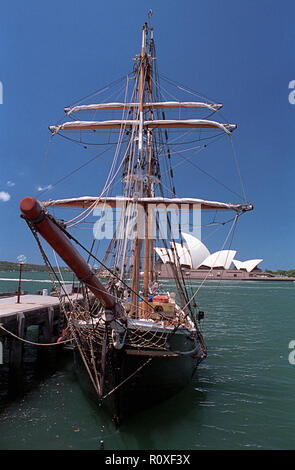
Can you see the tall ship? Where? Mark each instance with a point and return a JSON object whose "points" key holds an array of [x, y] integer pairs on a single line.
{"points": [[135, 341]]}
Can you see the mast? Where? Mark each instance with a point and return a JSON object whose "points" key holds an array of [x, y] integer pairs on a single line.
{"points": [[148, 247], [151, 154], [146, 270], [141, 90], [138, 183]]}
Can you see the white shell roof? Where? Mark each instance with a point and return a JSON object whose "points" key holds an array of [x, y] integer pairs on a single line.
{"points": [[249, 265], [220, 259], [183, 254], [198, 251], [196, 254], [166, 255]]}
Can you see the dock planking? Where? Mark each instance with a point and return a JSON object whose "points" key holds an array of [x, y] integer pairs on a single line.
{"points": [[31, 304], [34, 310]]}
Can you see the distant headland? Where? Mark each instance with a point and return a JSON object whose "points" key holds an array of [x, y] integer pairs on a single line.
{"points": [[11, 267], [282, 272]]}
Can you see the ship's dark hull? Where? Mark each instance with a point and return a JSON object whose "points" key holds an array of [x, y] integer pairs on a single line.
{"points": [[136, 379]]}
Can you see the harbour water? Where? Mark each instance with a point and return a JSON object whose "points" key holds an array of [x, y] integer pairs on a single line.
{"points": [[242, 396]]}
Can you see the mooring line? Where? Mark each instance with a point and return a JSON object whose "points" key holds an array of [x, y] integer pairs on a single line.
{"points": [[31, 342]]}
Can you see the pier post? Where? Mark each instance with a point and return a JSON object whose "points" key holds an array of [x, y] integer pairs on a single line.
{"points": [[16, 372], [46, 327], [19, 283], [1, 351], [47, 355]]}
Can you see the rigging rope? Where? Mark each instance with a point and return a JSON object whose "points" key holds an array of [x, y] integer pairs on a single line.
{"points": [[206, 277], [31, 342], [238, 168]]}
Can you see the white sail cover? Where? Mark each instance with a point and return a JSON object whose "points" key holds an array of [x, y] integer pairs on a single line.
{"points": [[248, 265], [122, 201], [220, 259], [189, 123], [160, 124], [198, 251], [154, 105], [113, 124]]}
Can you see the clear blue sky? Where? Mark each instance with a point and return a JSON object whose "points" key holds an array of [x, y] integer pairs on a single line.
{"points": [[240, 53]]}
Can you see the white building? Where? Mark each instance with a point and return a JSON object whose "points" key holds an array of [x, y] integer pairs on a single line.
{"points": [[247, 265], [220, 259], [197, 256]]}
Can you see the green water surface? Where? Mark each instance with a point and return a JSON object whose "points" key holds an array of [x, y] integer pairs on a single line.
{"points": [[242, 396]]}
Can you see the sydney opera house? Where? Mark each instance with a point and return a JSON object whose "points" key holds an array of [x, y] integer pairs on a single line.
{"points": [[198, 263]]}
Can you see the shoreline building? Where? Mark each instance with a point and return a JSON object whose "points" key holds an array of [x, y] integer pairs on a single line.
{"points": [[197, 262]]}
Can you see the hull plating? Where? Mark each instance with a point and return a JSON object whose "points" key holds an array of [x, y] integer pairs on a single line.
{"points": [[136, 379]]}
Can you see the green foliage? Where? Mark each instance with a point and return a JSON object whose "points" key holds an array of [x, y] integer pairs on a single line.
{"points": [[282, 272], [9, 266]]}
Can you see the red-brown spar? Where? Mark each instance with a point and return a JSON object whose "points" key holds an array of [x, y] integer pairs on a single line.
{"points": [[55, 237]]}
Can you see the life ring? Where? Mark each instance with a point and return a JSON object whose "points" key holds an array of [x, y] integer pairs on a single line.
{"points": [[118, 335]]}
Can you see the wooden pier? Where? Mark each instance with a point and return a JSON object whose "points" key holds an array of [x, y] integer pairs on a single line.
{"points": [[42, 311]]}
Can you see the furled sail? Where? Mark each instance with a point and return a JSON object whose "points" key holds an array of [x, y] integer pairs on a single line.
{"points": [[153, 105], [189, 123], [122, 201], [160, 124], [113, 124]]}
